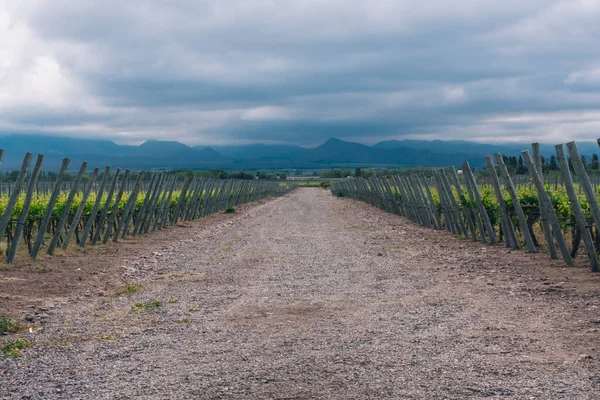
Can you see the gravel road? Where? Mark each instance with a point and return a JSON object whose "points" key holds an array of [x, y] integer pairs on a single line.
{"points": [[309, 296]]}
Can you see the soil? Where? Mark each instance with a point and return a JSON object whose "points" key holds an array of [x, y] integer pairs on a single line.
{"points": [[304, 296]]}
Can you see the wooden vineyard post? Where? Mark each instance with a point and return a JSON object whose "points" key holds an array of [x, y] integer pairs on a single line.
{"points": [[543, 210], [49, 209], [474, 206], [104, 213], [549, 211], [468, 213], [153, 204], [67, 210], [142, 212], [12, 251], [486, 219], [14, 196], [579, 217], [462, 230], [516, 203], [508, 228], [402, 198], [429, 206], [175, 216], [448, 217], [188, 215], [434, 211], [161, 205], [94, 213], [584, 182], [147, 216], [419, 217], [129, 209], [167, 207], [80, 209], [115, 209]]}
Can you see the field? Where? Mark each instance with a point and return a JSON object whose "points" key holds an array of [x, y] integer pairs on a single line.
{"points": [[312, 293]]}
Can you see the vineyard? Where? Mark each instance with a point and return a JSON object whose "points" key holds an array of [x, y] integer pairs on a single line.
{"points": [[110, 205], [536, 215]]}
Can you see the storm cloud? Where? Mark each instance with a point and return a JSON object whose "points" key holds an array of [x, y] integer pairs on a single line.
{"points": [[301, 71]]}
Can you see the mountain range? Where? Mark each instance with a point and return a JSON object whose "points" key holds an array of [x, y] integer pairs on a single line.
{"points": [[154, 154]]}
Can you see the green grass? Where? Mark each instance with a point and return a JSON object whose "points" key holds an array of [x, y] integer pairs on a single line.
{"points": [[129, 289], [309, 184], [13, 348], [146, 306], [8, 325]]}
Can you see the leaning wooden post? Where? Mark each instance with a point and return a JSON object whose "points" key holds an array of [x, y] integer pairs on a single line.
{"points": [[165, 217], [115, 209], [153, 204], [149, 211], [434, 210], [463, 201], [175, 216], [127, 216], [579, 217], [448, 216], [516, 203], [474, 206], [142, 212], [462, 230], [94, 212], [543, 210], [67, 210], [16, 193], [509, 230], [547, 205], [49, 209], [14, 245], [80, 209], [111, 191], [584, 181], [486, 218]]}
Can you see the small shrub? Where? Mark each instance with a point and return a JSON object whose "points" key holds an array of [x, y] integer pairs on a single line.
{"points": [[229, 210], [194, 309], [129, 289], [12, 348], [8, 325], [325, 185], [146, 306], [173, 300], [185, 320], [340, 194]]}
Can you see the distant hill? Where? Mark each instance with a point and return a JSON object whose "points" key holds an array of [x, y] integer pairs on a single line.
{"points": [[479, 149], [150, 154], [333, 153]]}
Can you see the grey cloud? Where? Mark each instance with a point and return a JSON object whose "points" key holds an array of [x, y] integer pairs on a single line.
{"points": [[309, 70]]}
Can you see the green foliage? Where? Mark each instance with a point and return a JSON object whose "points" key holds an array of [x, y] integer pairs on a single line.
{"points": [[309, 184], [129, 289], [8, 325], [13, 348], [146, 306], [229, 210]]}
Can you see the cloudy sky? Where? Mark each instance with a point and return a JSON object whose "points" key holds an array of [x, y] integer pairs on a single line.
{"points": [[301, 71]]}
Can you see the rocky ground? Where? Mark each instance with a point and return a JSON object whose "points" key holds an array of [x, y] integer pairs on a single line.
{"points": [[305, 296]]}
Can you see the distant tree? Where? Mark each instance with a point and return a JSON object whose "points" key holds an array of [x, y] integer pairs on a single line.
{"points": [[521, 169], [553, 164], [595, 163], [358, 172]]}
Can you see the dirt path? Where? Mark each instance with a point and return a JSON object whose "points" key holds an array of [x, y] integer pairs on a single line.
{"points": [[308, 296]]}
